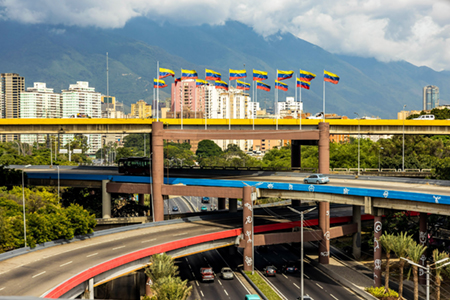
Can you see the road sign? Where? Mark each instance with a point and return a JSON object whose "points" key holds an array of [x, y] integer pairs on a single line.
{"points": [[78, 151], [63, 151]]}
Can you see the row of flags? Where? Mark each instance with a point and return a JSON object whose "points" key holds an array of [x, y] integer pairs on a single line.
{"points": [[304, 81]]}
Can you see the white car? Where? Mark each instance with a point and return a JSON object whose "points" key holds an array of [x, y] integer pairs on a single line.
{"points": [[316, 116], [425, 117]]}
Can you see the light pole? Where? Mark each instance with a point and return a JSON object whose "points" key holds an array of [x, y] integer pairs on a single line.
{"points": [[403, 148], [427, 270], [302, 290], [23, 199], [58, 183], [381, 148], [359, 136]]}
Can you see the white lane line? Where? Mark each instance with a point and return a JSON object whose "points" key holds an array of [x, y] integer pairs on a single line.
{"points": [[2, 288], [275, 252], [184, 233], [193, 275], [284, 276], [67, 263], [219, 282], [305, 275], [92, 254], [296, 286], [38, 274], [319, 286], [202, 293], [119, 247], [334, 296], [285, 260], [197, 283], [225, 292], [148, 241]]}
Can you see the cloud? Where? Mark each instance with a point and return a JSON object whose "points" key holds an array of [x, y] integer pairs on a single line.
{"points": [[417, 31]]}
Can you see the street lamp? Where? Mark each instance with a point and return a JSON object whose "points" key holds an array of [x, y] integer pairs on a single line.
{"points": [[302, 290], [381, 148], [58, 182], [359, 136], [23, 201], [403, 148], [427, 270]]}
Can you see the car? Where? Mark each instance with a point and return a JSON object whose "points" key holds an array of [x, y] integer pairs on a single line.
{"points": [[226, 273], [270, 271], [207, 274], [252, 297], [305, 297], [290, 268], [175, 208], [205, 200], [204, 208], [425, 117], [316, 178], [316, 116]]}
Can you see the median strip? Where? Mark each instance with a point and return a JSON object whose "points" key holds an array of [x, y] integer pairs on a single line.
{"points": [[262, 286]]}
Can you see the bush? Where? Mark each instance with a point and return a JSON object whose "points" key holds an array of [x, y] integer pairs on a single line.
{"points": [[381, 293]]}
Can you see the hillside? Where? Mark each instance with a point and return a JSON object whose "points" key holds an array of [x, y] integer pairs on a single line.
{"points": [[63, 55]]}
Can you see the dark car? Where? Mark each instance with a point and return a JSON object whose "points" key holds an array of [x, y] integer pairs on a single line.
{"points": [[207, 274], [205, 200], [270, 271], [290, 268], [305, 297], [174, 208]]}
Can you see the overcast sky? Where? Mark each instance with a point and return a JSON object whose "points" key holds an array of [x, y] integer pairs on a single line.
{"points": [[417, 31]]}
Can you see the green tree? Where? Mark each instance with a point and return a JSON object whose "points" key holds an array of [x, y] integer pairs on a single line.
{"points": [[437, 256], [208, 148], [400, 245], [161, 265], [387, 242], [171, 288], [415, 252]]}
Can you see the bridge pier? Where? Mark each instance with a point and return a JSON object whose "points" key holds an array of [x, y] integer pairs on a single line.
{"points": [[221, 203], [357, 235], [296, 154], [247, 230], [232, 205], [157, 170], [423, 239], [377, 250], [324, 207], [106, 201]]}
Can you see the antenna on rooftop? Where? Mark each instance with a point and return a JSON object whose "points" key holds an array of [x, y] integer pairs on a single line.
{"points": [[107, 75]]}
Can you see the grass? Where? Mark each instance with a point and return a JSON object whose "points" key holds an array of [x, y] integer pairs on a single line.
{"points": [[263, 286]]}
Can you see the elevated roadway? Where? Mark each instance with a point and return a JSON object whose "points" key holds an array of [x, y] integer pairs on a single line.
{"points": [[127, 126]]}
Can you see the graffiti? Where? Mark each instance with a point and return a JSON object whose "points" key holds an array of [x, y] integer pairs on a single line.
{"points": [[270, 186], [377, 264], [375, 276], [385, 194], [436, 199], [311, 188], [376, 245], [249, 206], [248, 261], [325, 254], [327, 213], [249, 220], [248, 233], [423, 258], [421, 272], [291, 187], [378, 226], [422, 237], [346, 190], [327, 235]]}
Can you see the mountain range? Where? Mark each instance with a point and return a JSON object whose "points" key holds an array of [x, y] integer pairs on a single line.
{"points": [[60, 55]]}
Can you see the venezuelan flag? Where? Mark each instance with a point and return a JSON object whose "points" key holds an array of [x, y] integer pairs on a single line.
{"points": [[259, 75], [237, 74], [242, 85], [262, 86], [306, 76], [282, 75], [200, 82], [211, 75], [188, 74], [330, 77], [159, 84], [163, 73], [281, 86], [177, 79], [221, 85], [303, 83]]}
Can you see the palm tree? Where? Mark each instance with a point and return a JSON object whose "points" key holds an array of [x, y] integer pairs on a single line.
{"points": [[172, 288], [400, 244], [437, 256], [387, 242], [415, 252], [161, 266]]}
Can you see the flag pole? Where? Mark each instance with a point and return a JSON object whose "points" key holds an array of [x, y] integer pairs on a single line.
{"points": [[301, 106], [181, 99], [204, 104], [324, 101], [157, 91]]}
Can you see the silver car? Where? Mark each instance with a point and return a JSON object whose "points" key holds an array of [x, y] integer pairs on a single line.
{"points": [[316, 178], [226, 273]]}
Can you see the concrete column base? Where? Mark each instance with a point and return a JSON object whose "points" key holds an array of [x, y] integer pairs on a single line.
{"points": [[222, 203], [106, 201]]}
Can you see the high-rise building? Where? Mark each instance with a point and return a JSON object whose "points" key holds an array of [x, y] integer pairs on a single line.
{"points": [[295, 108], [81, 101], [11, 86], [141, 109], [111, 109], [36, 103], [430, 97]]}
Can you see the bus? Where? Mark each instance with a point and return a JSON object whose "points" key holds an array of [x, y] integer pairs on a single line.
{"points": [[134, 165]]}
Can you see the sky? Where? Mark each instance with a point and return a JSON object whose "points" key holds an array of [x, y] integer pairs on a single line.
{"points": [[417, 31]]}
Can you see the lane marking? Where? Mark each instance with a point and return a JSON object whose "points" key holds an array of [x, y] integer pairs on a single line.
{"points": [[148, 241], [119, 247], [305, 275], [92, 254], [285, 276], [285, 260], [296, 286], [67, 263], [184, 233], [2, 288], [225, 292], [319, 286], [219, 282], [38, 274], [202, 293], [197, 283], [334, 296]]}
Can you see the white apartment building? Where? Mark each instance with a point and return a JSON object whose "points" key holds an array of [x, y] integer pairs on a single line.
{"points": [[290, 105], [253, 107], [81, 100], [39, 102]]}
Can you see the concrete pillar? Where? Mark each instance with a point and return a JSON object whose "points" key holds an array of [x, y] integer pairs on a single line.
{"points": [[232, 205], [222, 203], [91, 288], [423, 239], [106, 201], [141, 199], [357, 235], [148, 286], [248, 228], [296, 202], [158, 170], [324, 207], [296, 155], [377, 250]]}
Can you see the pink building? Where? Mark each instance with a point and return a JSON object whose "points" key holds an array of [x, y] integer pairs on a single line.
{"points": [[187, 95]]}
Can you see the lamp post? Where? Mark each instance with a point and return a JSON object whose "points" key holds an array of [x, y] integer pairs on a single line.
{"points": [[302, 290], [23, 199], [58, 183], [359, 136], [403, 148], [381, 148], [427, 270]]}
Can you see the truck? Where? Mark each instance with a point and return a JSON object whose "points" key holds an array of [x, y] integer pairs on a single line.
{"points": [[207, 274]]}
